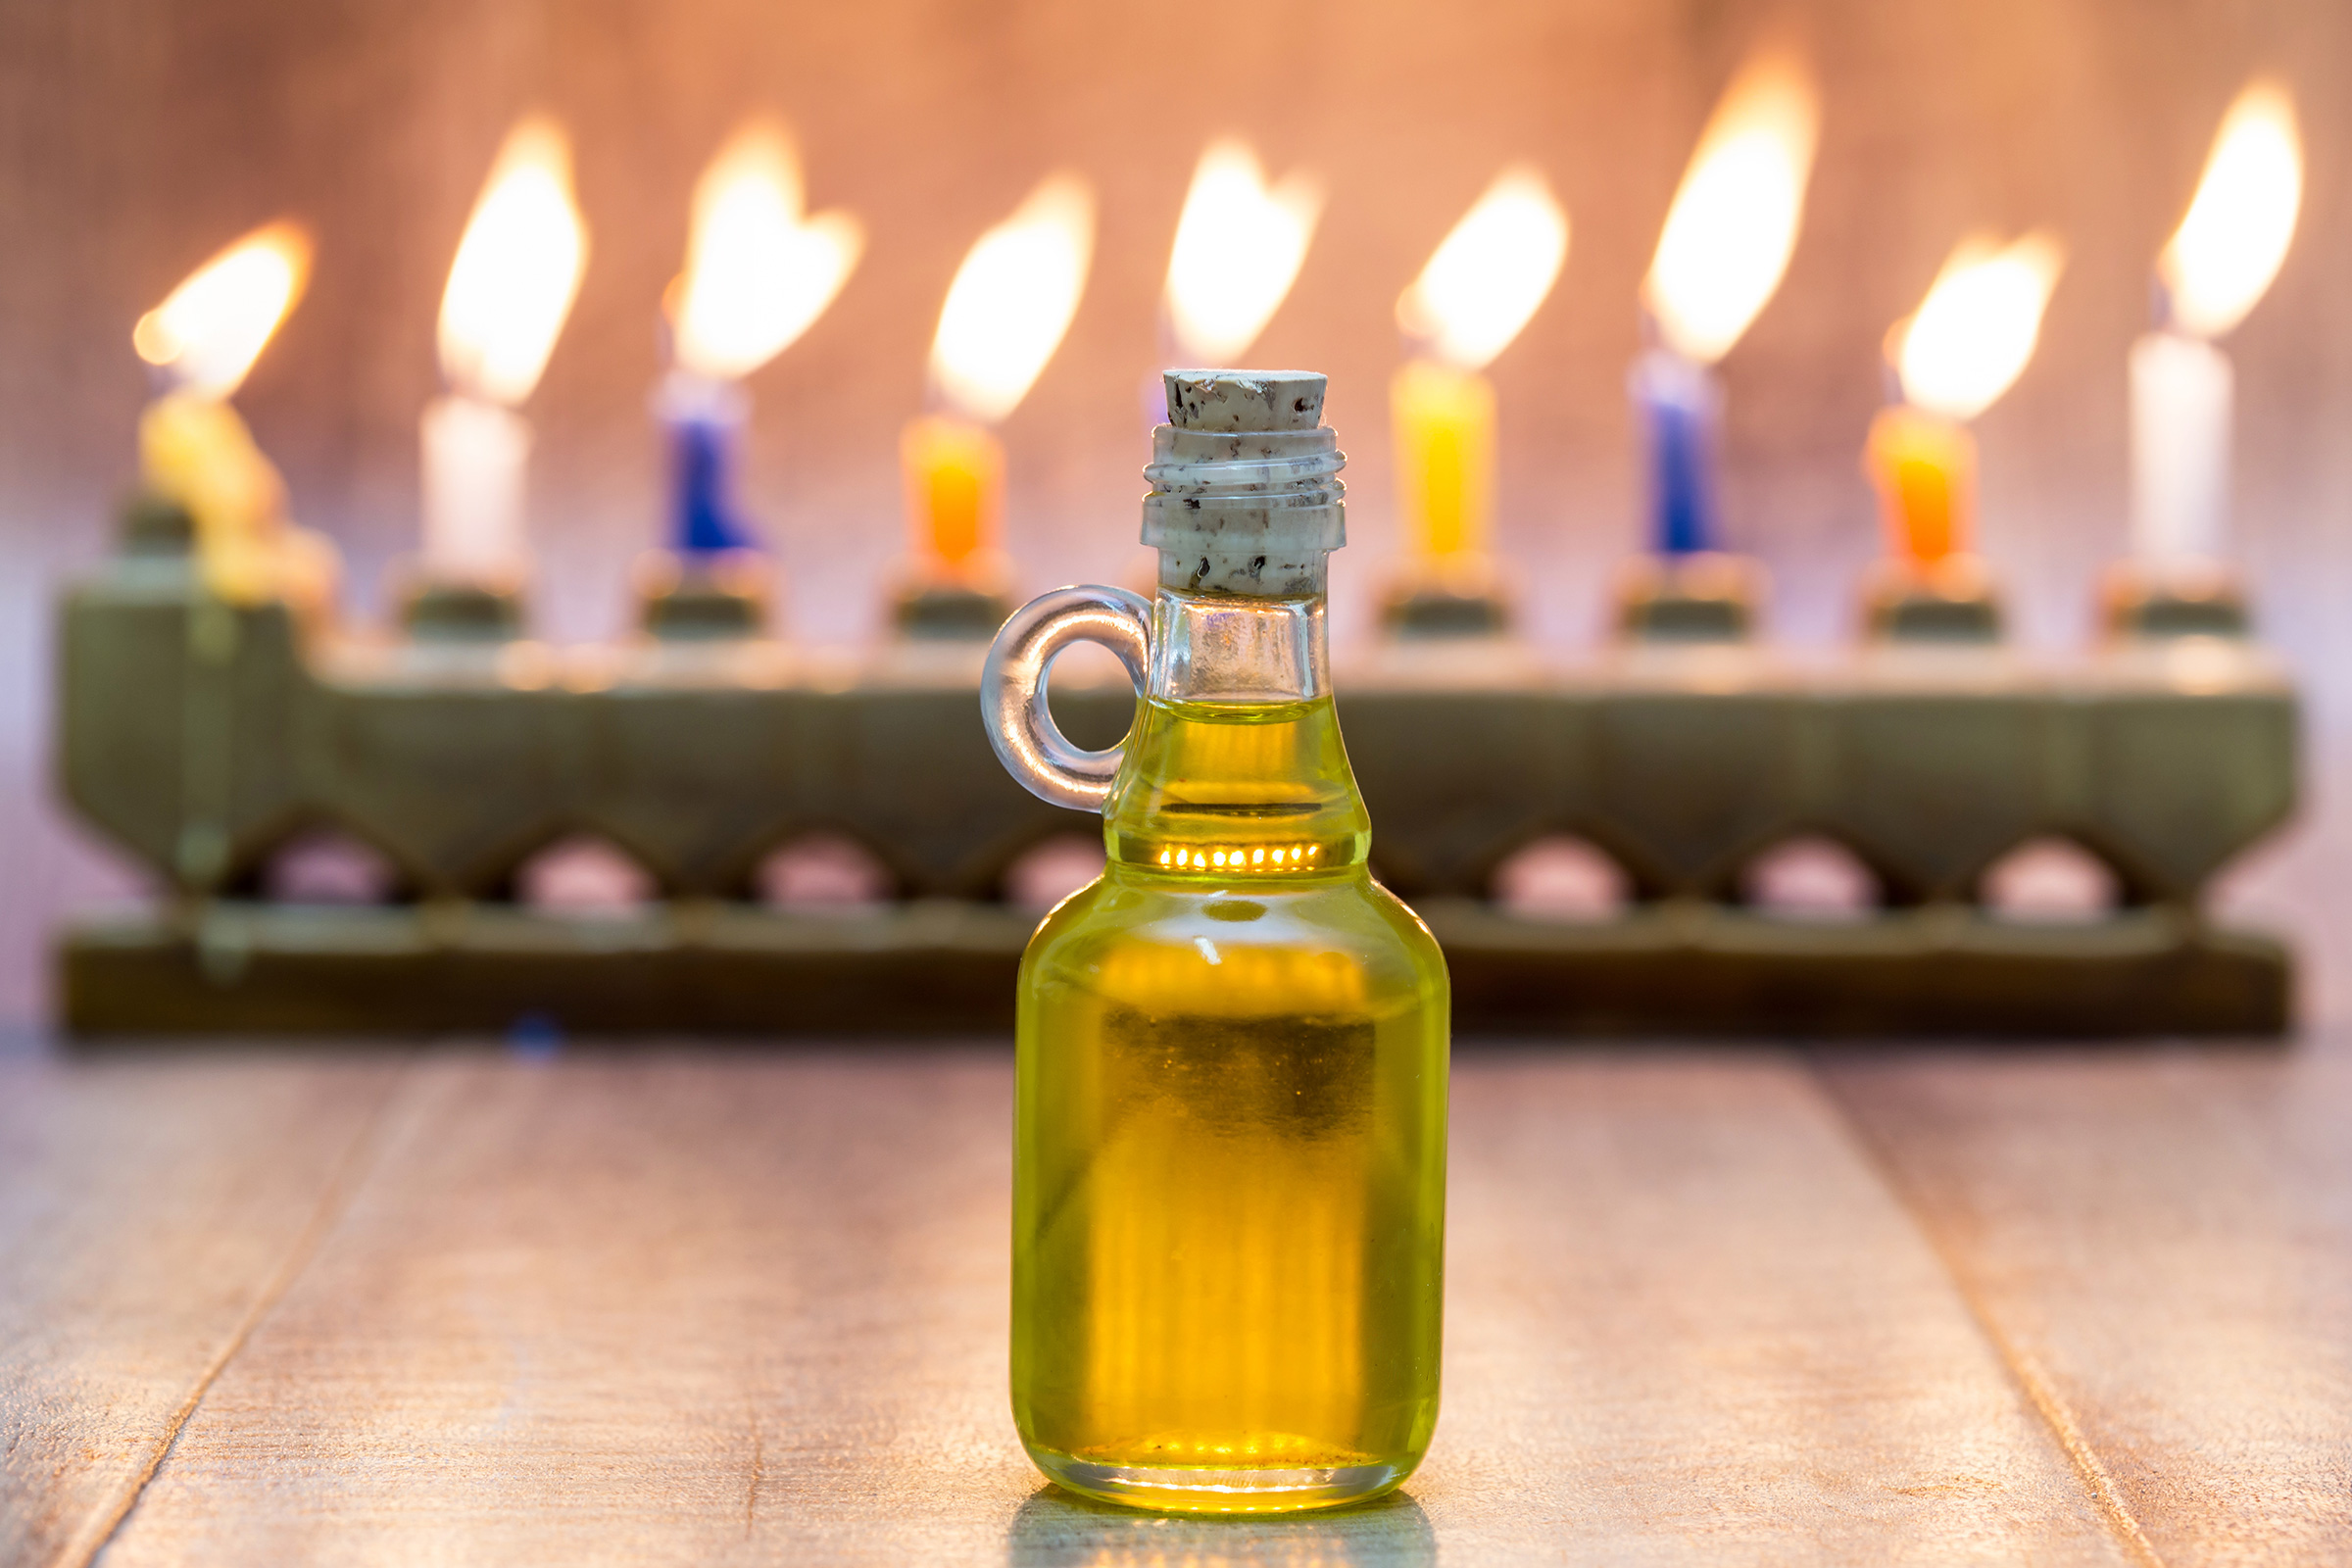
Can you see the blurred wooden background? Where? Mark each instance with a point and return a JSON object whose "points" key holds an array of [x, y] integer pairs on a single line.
{"points": [[138, 136]]}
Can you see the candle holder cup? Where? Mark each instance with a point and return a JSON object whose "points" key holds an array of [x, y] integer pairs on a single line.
{"points": [[964, 602], [460, 613], [704, 594], [1446, 597], [156, 529], [1702, 597], [1951, 600], [2150, 600]]}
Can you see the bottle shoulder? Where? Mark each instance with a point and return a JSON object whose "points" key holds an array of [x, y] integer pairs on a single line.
{"points": [[1216, 933], [1406, 922]]}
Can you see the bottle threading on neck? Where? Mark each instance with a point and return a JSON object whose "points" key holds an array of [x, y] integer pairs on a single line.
{"points": [[1235, 771]]}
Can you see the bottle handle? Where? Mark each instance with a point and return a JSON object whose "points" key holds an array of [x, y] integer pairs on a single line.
{"points": [[1013, 688]]}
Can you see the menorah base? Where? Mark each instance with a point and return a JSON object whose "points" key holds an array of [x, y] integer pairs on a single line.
{"points": [[1952, 600], [1450, 597], [948, 966], [1702, 598], [461, 612], [2194, 598], [946, 613], [711, 597]]}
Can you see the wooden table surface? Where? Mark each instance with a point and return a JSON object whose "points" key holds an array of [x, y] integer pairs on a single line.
{"points": [[1709, 1306]]}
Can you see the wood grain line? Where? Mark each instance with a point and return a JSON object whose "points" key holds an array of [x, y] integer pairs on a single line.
{"points": [[2022, 1363], [342, 1184], [750, 1491]]}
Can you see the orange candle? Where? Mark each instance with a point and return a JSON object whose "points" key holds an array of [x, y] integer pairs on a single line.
{"points": [[1006, 310], [1445, 429], [955, 472], [1966, 345], [1925, 468]]}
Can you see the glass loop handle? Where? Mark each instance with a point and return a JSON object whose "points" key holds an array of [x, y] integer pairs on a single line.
{"points": [[1013, 688]]}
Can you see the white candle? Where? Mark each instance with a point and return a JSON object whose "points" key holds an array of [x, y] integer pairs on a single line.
{"points": [[476, 455], [2180, 416], [517, 272], [2218, 264]]}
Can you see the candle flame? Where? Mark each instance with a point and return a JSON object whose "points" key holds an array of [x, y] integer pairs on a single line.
{"points": [[757, 272], [1977, 329], [518, 269], [1013, 300], [1488, 276], [1733, 226], [212, 329], [1239, 246], [2229, 246]]}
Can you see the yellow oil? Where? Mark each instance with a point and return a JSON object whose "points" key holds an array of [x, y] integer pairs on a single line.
{"points": [[1229, 1190]]}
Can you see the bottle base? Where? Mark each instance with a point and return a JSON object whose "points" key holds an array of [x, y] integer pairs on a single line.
{"points": [[1190, 1489]]}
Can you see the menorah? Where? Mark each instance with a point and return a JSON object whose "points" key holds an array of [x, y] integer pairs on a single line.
{"points": [[201, 737]]}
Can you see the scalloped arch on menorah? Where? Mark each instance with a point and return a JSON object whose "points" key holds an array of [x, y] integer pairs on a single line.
{"points": [[819, 868], [583, 872], [1555, 876], [1810, 874], [1051, 869], [321, 860], [2054, 877]]}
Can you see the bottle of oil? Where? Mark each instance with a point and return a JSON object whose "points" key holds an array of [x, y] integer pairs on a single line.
{"points": [[1230, 1159]]}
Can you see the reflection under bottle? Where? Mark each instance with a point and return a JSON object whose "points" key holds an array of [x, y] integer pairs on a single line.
{"points": [[1058, 1529]]}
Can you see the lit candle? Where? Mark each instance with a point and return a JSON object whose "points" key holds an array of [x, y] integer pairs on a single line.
{"points": [[1681, 405], [511, 288], [954, 490], [758, 274], [1005, 313], [1967, 344], [195, 450], [1481, 286], [1239, 245], [1720, 258], [2217, 265]]}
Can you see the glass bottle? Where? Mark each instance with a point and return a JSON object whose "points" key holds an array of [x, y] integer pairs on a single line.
{"points": [[1229, 1135]]}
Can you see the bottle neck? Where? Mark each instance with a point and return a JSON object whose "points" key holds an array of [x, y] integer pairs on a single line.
{"points": [[1222, 647], [1235, 776]]}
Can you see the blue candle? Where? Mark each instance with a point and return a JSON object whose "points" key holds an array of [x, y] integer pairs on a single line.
{"points": [[1679, 408], [705, 419]]}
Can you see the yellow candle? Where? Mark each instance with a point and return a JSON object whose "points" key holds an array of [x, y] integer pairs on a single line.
{"points": [[1925, 468], [196, 451], [1444, 432], [955, 474]]}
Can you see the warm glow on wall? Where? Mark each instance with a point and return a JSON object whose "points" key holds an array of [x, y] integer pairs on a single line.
{"points": [[1489, 275], [518, 269], [1977, 329], [2229, 246], [757, 272], [212, 329], [1013, 300], [1238, 250], [1733, 223]]}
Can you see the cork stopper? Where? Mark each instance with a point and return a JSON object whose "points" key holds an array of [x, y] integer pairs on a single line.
{"points": [[1246, 496], [1244, 400]]}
